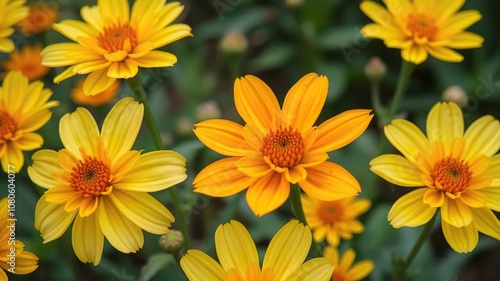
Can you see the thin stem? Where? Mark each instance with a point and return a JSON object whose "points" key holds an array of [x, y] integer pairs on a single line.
{"points": [[299, 213], [400, 268], [140, 95], [406, 70], [377, 106]]}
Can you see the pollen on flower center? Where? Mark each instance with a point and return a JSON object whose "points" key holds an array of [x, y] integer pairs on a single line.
{"points": [[118, 37], [7, 126], [420, 25], [284, 147], [328, 212], [90, 177], [451, 175]]}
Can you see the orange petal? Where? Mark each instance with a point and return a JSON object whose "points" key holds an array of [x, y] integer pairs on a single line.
{"points": [[223, 136], [253, 166], [268, 193]]}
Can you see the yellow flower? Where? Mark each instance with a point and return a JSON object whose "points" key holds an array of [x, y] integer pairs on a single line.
{"points": [[344, 269], [28, 61], [277, 146], [98, 182], [456, 172], [24, 108], [113, 42], [104, 97], [40, 18], [422, 27], [24, 262], [12, 12], [239, 260], [334, 220]]}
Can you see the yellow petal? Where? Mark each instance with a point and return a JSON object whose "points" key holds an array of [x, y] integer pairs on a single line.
{"points": [[376, 12], [59, 194], [90, 66], [121, 232], [224, 137], [54, 55], [97, 82], [29, 141], [434, 197], [15, 90], [486, 222], [473, 199], [482, 137], [26, 262], [253, 166], [458, 22], [169, 34], [465, 40], [143, 210], [447, 8], [155, 59], [51, 219], [445, 122], [144, 15], [329, 181], [445, 54], [416, 54], [456, 213], [78, 130], [397, 170], [44, 165], [295, 174], [461, 240], [341, 129], [123, 164], [222, 178], [287, 250], [123, 69], [121, 127], [92, 16], [74, 29], [407, 138], [410, 210], [198, 266], [116, 11], [268, 193], [360, 270], [87, 239], [319, 269], [235, 247], [13, 157], [304, 101], [256, 103]]}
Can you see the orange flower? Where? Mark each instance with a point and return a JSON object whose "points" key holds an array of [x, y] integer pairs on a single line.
{"points": [[278, 146], [28, 61], [104, 97], [41, 17]]}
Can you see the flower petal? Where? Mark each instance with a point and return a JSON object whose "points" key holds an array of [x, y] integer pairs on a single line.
{"points": [[13, 157], [268, 193], [51, 219], [465, 40], [97, 82], [434, 197], [26, 262], [156, 59], [445, 122], [320, 269], [87, 239], [486, 222], [253, 166], [44, 165], [482, 137], [455, 213], [461, 240], [79, 130], [198, 266], [445, 54], [407, 138], [397, 170], [360, 270], [116, 11], [473, 199], [235, 247], [224, 137], [376, 12], [410, 210]]}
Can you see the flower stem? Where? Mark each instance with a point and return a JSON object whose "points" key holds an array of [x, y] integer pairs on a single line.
{"points": [[140, 95], [406, 70], [299, 213], [400, 266]]}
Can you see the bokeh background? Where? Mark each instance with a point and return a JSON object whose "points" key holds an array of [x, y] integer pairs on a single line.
{"points": [[278, 41]]}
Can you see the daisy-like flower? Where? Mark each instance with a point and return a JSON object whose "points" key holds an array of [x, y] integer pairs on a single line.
{"points": [[334, 220], [277, 146], [40, 18], [344, 268], [24, 108], [13, 257], [12, 12], [105, 97], [113, 42], [101, 186], [452, 170], [29, 61], [421, 27], [239, 260]]}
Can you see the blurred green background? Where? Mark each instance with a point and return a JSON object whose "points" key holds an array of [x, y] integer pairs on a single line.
{"points": [[280, 42]]}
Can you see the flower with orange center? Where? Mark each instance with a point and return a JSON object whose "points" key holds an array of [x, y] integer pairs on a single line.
{"points": [[12, 12], [455, 171], [334, 220], [24, 108], [100, 184], [40, 18], [28, 61], [239, 260], [104, 97], [422, 27], [113, 42], [277, 146], [344, 268]]}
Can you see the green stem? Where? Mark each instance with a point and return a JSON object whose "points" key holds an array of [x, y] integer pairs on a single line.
{"points": [[406, 70], [299, 213], [140, 95], [400, 268], [377, 106]]}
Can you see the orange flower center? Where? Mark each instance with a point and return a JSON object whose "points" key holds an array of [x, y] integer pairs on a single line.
{"points": [[117, 38], [329, 212], [284, 147], [420, 25], [90, 177], [7, 126], [451, 175]]}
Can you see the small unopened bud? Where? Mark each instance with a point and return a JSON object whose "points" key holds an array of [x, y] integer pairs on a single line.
{"points": [[456, 94], [375, 69], [233, 42], [185, 125], [172, 241], [208, 110], [294, 3]]}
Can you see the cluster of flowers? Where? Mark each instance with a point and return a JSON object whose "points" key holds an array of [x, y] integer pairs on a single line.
{"points": [[98, 184]]}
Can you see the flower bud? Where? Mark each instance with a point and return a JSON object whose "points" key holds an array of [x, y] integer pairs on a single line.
{"points": [[294, 3], [172, 241], [456, 94], [208, 110], [375, 69], [233, 42]]}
